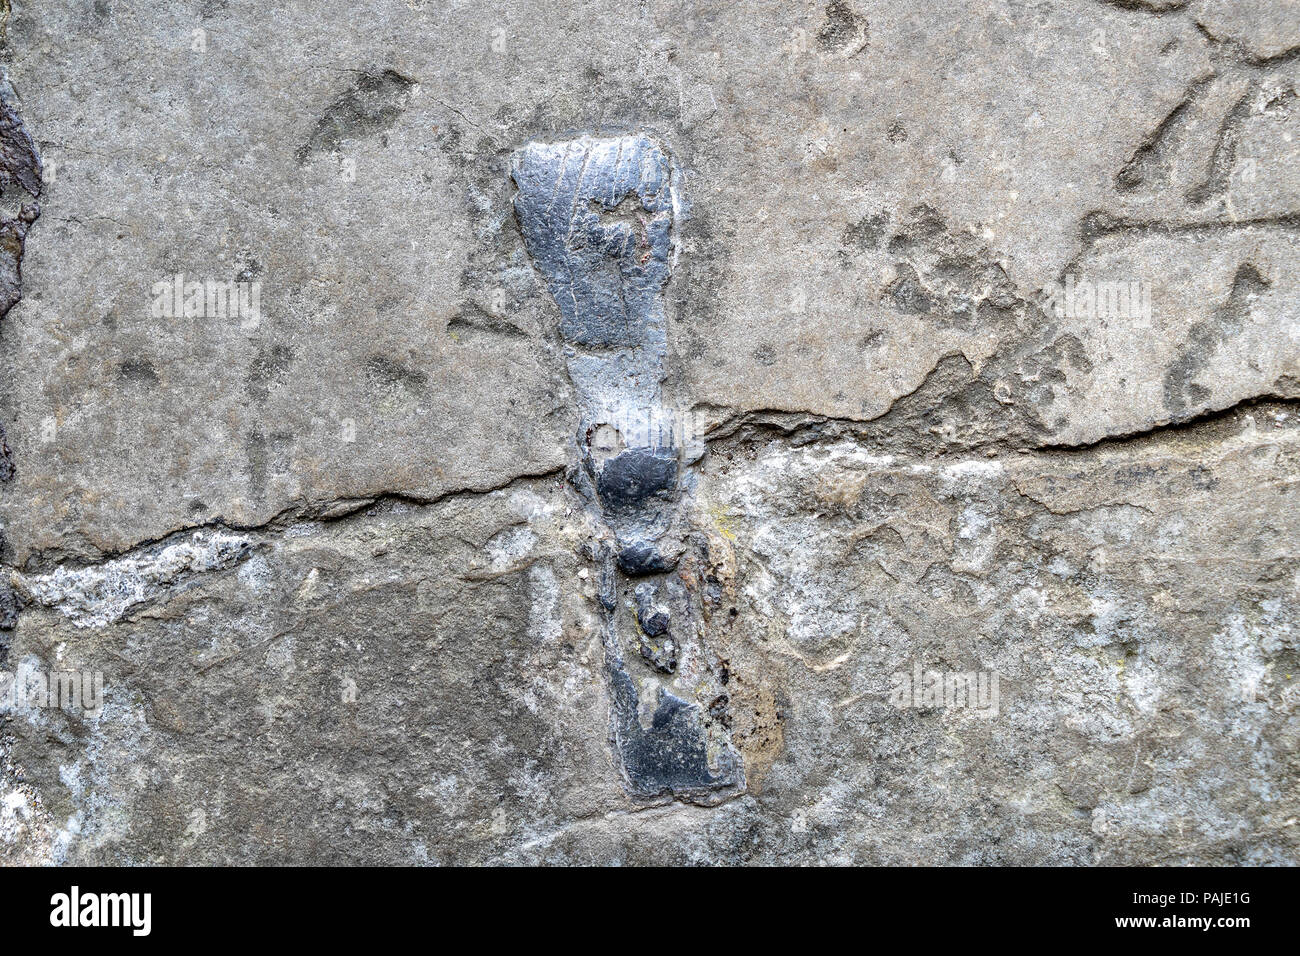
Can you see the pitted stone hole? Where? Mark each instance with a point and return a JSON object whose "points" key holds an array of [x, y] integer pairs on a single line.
{"points": [[629, 220], [630, 210], [604, 441]]}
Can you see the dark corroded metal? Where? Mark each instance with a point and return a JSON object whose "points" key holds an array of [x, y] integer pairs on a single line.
{"points": [[598, 219]]}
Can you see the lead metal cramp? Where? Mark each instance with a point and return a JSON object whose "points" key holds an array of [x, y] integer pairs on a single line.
{"points": [[598, 218]]}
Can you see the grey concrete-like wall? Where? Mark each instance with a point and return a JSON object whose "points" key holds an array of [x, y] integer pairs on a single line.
{"points": [[721, 431]]}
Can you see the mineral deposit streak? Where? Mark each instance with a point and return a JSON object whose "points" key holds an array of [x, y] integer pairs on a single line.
{"points": [[598, 219]]}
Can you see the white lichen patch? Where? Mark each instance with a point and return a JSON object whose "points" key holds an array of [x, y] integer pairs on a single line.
{"points": [[510, 546], [27, 832], [101, 594], [545, 623]]}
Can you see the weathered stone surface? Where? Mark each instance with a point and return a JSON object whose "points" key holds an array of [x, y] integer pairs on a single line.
{"points": [[602, 419], [1267, 31]]}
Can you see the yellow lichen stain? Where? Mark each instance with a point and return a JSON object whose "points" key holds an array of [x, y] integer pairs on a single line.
{"points": [[722, 521]]}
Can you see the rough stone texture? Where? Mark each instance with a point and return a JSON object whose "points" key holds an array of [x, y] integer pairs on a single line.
{"points": [[376, 574]]}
